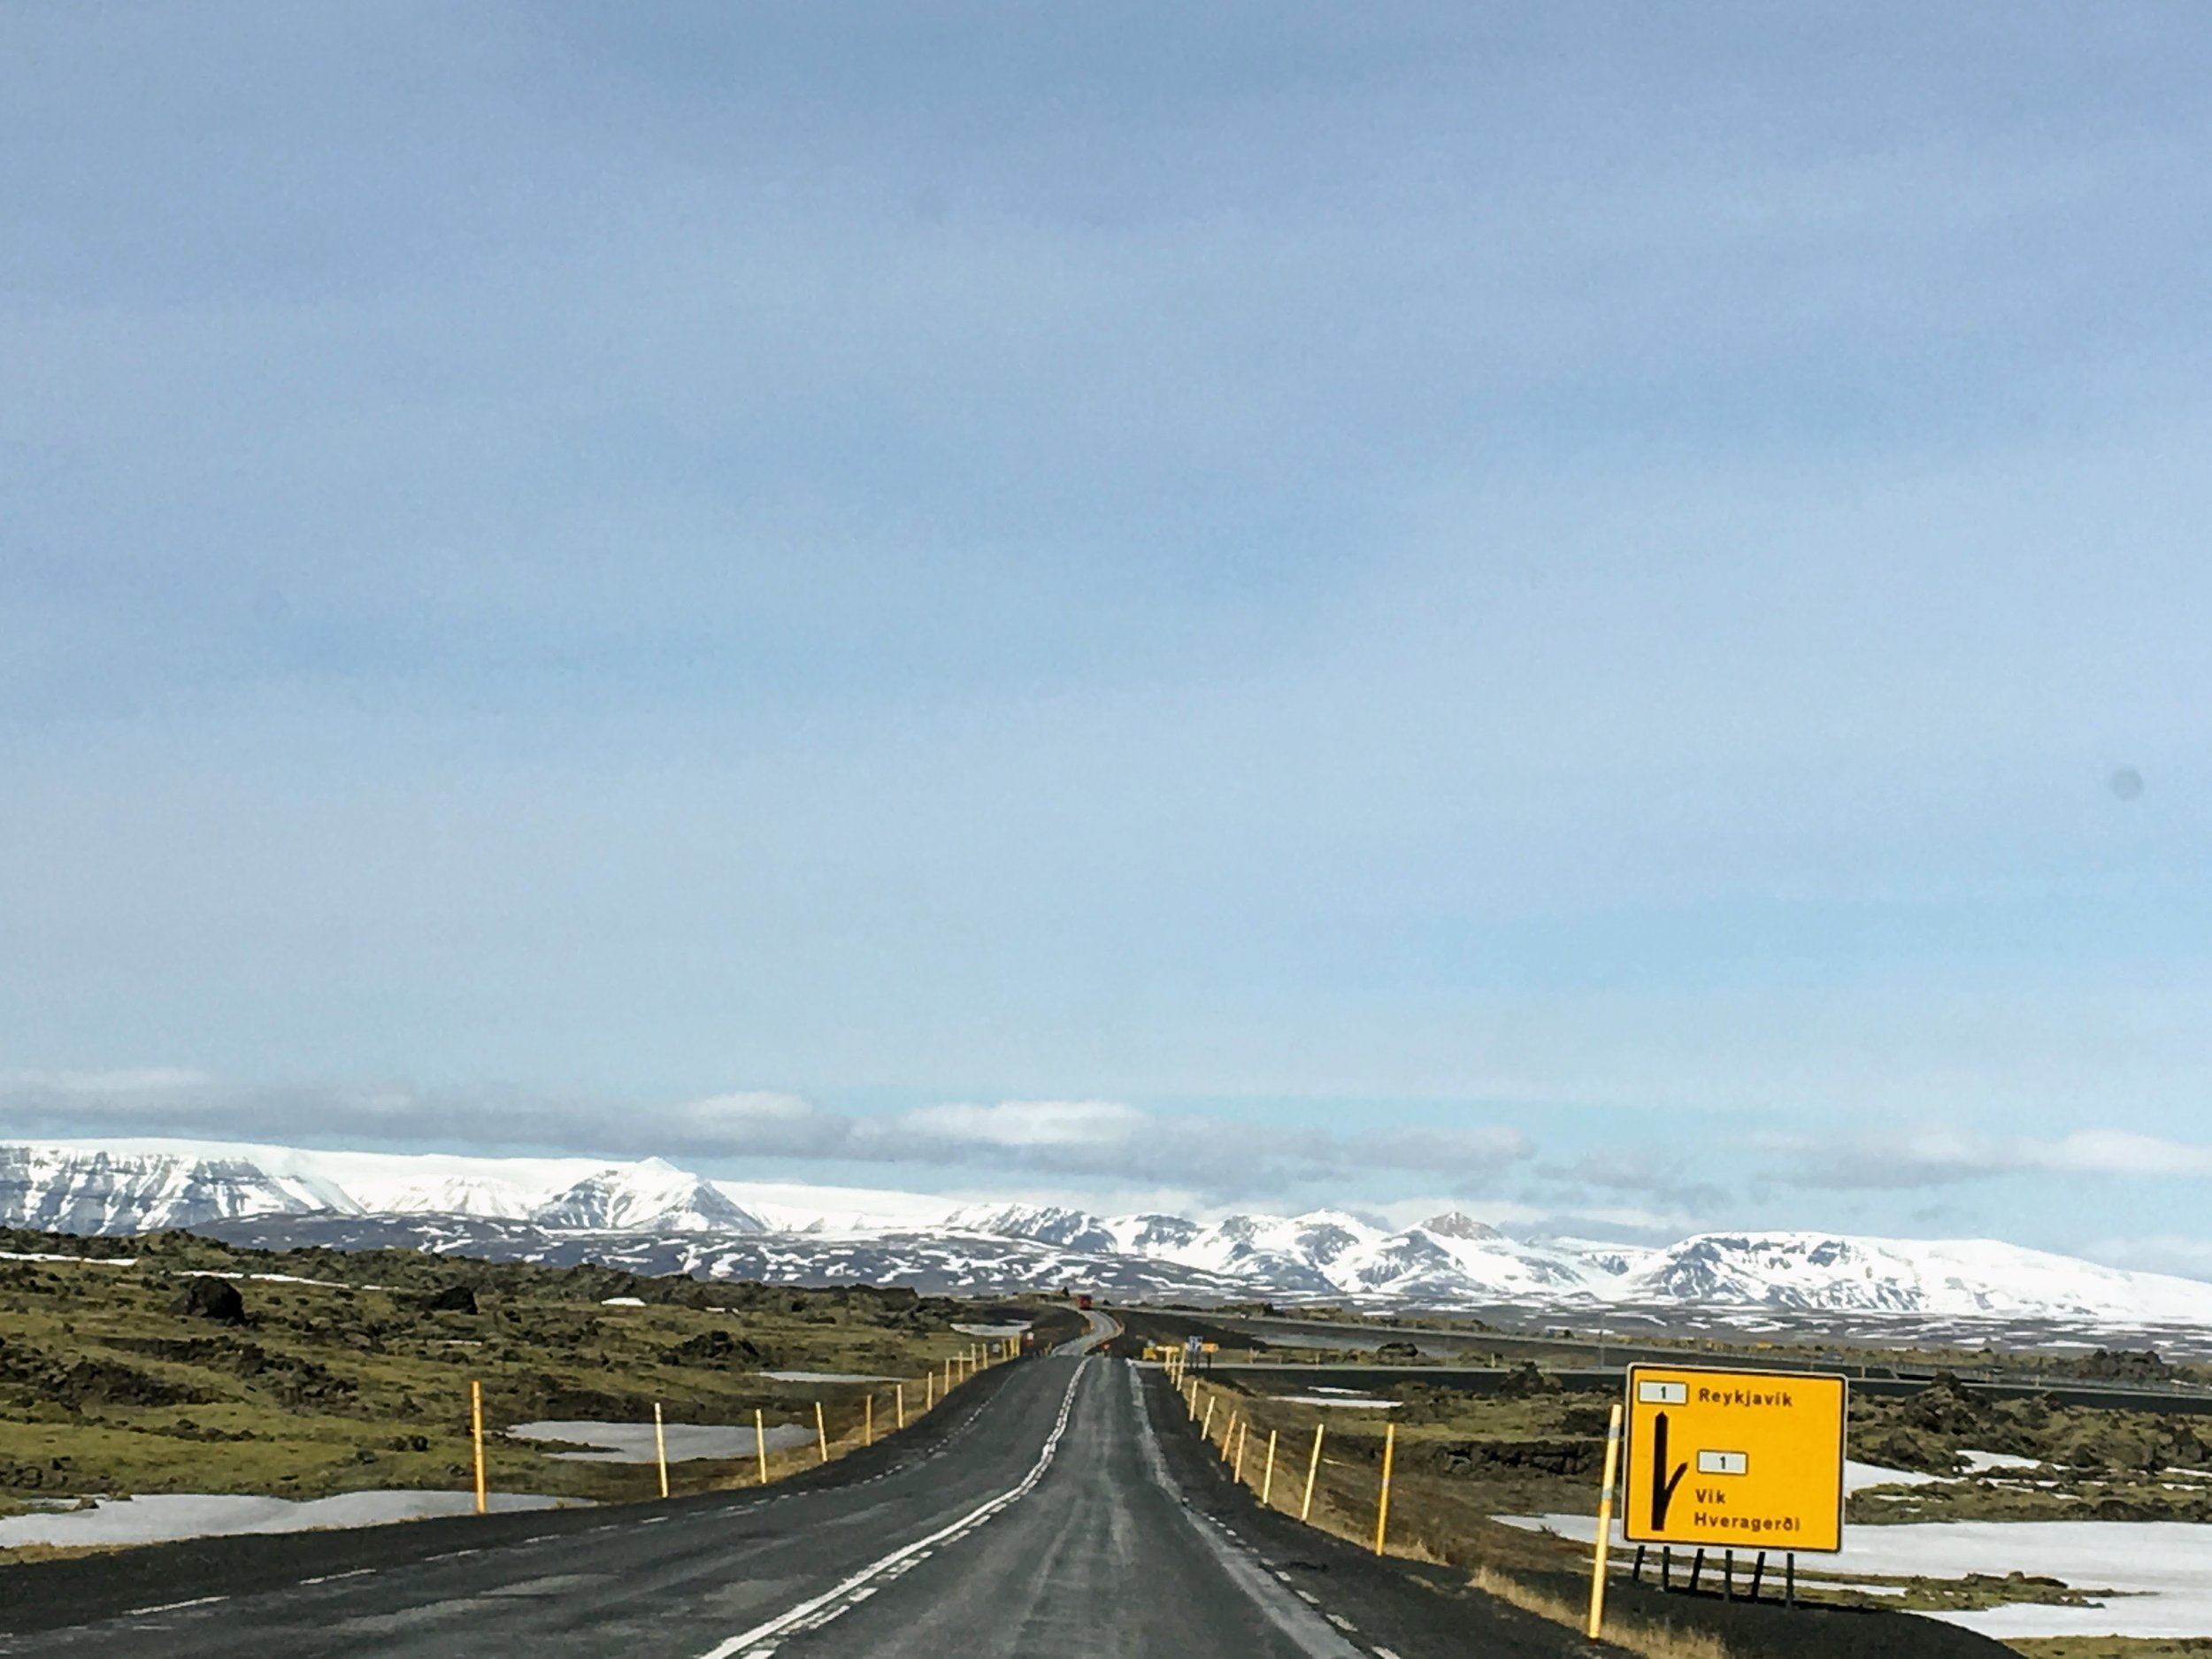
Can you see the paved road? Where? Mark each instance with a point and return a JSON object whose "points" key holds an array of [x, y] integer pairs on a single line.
{"points": [[1103, 1329], [1063, 1508]]}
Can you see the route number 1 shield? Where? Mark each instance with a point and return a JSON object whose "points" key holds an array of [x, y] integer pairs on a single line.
{"points": [[1734, 1459]]}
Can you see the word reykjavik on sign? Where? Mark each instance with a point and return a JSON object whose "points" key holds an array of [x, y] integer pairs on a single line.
{"points": [[1733, 1458]]}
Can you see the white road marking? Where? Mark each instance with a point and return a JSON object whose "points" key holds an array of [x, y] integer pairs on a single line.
{"points": [[333, 1578], [1342, 1622], [806, 1614], [173, 1607]]}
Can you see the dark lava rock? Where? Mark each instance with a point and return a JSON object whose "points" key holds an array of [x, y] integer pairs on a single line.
{"points": [[2127, 1365], [1464, 1458], [207, 1297], [718, 1349], [1525, 1382], [1945, 1406], [452, 1299], [1397, 1353]]}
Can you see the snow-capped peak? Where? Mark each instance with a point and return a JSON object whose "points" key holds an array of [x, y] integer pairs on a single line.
{"points": [[1457, 1224], [648, 1197], [1048, 1223]]}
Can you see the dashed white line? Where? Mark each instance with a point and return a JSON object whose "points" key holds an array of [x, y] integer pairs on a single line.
{"points": [[810, 1614], [175, 1607]]}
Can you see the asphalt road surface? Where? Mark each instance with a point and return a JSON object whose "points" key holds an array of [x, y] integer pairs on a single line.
{"points": [[1058, 1505]]}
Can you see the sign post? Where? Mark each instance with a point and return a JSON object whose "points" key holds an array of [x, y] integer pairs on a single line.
{"points": [[1605, 1525], [1727, 1458]]}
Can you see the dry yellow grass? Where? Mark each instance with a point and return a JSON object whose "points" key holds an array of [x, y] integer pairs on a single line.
{"points": [[1655, 1641]]}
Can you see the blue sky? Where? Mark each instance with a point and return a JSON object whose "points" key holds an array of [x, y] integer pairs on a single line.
{"points": [[1237, 605]]}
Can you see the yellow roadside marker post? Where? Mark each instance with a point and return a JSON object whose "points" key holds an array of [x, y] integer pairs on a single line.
{"points": [[929, 1389], [760, 1444], [821, 1434], [1243, 1436], [901, 1402], [660, 1446], [1605, 1522], [868, 1420], [1267, 1481], [476, 1434], [1313, 1468], [1206, 1428], [1228, 1433], [1382, 1498], [947, 1376]]}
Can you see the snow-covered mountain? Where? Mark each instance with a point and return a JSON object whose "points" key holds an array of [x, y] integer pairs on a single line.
{"points": [[1955, 1278], [647, 1197], [153, 1185], [653, 1217], [63, 1189]]}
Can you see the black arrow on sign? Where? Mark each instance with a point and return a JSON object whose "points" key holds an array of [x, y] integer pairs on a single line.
{"points": [[1663, 1484]]}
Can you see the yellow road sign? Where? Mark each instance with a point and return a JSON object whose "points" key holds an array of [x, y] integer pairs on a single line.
{"points": [[1733, 1458]]}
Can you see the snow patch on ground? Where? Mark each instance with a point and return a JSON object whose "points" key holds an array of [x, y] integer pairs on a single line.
{"points": [[1857, 1477], [632, 1442], [160, 1517], [2156, 1569], [1981, 1462], [827, 1376]]}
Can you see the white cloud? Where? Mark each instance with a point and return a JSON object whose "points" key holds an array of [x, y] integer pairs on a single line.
{"points": [[2162, 1253], [1095, 1140], [1021, 1123], [95, 1085], [1935, 1158]]}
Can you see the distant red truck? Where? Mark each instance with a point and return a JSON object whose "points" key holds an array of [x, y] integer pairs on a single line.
{"points": [[1084, 1302]]}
